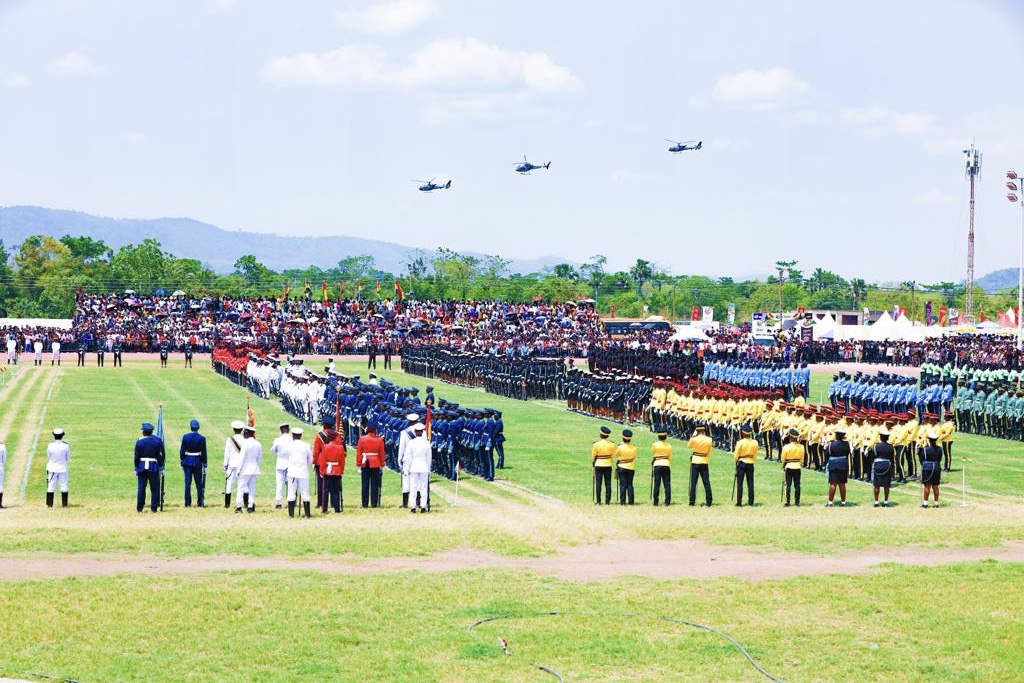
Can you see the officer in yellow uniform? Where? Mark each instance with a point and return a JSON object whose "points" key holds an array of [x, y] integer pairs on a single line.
{"points": [[661, 468], [946, 430], [745, 456], [601, 463], [700, 446], [792, 456], [625, 467]]}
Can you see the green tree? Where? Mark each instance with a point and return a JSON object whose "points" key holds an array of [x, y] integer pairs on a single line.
{"points": [[140, 267], [254, 274], [565, 271], [87, 250], [640, 273]]}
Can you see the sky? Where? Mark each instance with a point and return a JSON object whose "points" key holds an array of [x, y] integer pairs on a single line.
{"points": [[832, 132]]}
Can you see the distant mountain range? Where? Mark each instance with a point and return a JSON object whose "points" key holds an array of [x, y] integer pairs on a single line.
{"points": [[999, 280], [213, 246]]}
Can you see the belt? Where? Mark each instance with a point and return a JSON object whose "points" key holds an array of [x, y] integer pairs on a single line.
{"points": [[194, 455], [147, 459]]}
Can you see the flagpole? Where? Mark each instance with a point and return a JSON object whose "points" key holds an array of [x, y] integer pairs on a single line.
{"points": [[455, 504]]}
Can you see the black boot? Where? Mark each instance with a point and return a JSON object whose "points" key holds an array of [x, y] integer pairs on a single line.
{"points": [[64, 499], [305, 507], [1, 500], [245, 499], [405, 500], [251, 509], [49, 499], [227, 500], [291, 508]]}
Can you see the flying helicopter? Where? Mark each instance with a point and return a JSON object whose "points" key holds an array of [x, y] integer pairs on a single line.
{"points": [[525, 167], [678, 147], [430, 185]]}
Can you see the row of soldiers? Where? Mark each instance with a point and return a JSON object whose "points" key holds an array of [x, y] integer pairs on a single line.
{"points": [[995, 410], [620, 360], [791, 379], [618, 397], [511, 377], [888, 392]]}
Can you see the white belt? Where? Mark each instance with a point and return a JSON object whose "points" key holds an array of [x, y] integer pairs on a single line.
{"points": [[147, 459], [187, 454]]}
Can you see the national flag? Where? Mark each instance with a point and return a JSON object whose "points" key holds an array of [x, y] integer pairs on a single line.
{"points": [[248, 409], [323, 286], [966, 459], [398, 291], [428, 423], [287, 288], [160, 423]]}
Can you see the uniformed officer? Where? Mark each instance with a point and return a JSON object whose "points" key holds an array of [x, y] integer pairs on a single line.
{"points": [[300, 457], [661, 468], [883, 455], [188, 357], [252, 457], [745, 456], [117, 353], [700, 446], [164, 353], [931, 464], [601, 463], [370, 460], [417, 467], [625, 466], [232, 459], [332, 467], [407, 434], [499, 439], [58, 454], [193, 463], [280, 450], [149, 462], [792, 457], [838, 466], [80, 350], [55, 351], [323, 437]]}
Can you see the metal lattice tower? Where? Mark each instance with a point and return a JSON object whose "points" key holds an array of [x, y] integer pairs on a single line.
{"points": [[973, 171]]}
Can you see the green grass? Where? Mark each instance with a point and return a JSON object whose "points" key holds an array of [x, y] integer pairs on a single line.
{"points": [[282, 626]]}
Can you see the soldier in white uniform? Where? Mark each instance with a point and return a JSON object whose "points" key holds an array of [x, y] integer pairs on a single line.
{"points": [[280, 449], [58, 454], [37, 347], [232, 460], [252, 456], [417, 468], [55, 350], [403, 442], [300, 459], [12, 350], [3, 462]]}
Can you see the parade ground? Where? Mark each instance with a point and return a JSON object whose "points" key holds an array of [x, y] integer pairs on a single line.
{"points": [[96, 592]]}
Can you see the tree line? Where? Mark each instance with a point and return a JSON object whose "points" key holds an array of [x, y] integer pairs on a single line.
{"points": [[40, 277]]}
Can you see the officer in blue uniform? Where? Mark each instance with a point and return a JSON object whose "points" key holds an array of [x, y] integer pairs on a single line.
{"points": [[499, 439], [193, 463], [149, 462]]}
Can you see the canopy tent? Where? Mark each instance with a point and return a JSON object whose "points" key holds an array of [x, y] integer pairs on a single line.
{"points": [[883, 328], [825, 328], [688, 333]]}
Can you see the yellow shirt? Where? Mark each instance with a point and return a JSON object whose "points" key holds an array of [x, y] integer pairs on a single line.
{"points": [[946, 430], [625, 456], [701, 446], [601, 453], [792, 456], [661, 451], [799, 402], [746, 451]]}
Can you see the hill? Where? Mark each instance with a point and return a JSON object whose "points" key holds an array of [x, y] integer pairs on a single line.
{"points": [[216, 247], [999, 280]]}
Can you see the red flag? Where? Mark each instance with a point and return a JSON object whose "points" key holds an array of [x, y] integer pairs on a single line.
{"points": [[398, 291], [287, 288], [428, 422], [981, 317], [324, 288], [943, 316], [248, 410], [903, 311]]}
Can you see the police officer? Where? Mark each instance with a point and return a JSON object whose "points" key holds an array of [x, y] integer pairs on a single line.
{"points": [[117, 353], [625, 467], [883, 455], [661, 468], [280, 450], [300, 457], [332, 467], [931, 467], [745, 456], [700, 446], [838, 466], [164, 353], [601, 462], [193, 463], [149, 462], [58, 454], [232, 459], [792, 457], [252, 457], [80, 350]]}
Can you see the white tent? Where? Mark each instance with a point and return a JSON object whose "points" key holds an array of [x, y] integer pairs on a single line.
{"points": [[905, 330], [883, 328], [688, 333], [825, 328]]}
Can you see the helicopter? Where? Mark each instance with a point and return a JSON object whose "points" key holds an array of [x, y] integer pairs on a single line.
{"points": [[430, 186], [525, 167], [678, 147]]}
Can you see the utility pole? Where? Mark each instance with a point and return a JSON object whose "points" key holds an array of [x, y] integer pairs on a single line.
{"points": [[973, 171]]}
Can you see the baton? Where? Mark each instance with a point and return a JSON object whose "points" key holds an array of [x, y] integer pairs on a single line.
{"points": [[735, 476]]}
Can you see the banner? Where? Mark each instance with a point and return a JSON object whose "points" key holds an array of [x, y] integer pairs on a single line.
{"points": [[902, 311], [695, 316], [943, 316], [707, 314], [981, 315], [759, 324], [399, 294], [731, 315]]}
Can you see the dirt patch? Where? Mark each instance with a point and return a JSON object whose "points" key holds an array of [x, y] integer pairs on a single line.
{"points": [[682, 559]]}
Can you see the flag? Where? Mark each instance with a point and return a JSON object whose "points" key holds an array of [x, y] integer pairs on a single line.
{"points": [[378, 287], [341, 291], [943, 316], [613, 311], [981, 316], [398, 291], [695, 314], [428, 423], [902, 311], [324, 288], [287, 288], [966, 459], [248, 410], [160, 423]]}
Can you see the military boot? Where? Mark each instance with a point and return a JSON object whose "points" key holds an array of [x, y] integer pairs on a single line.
{"points": [[227, 500], [245, 499], [291, 508], [64, 499], [305, 507], [49, 499], [405, 500], [1, 500]]}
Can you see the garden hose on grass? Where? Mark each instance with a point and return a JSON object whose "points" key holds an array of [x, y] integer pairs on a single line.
{"points": [[626, 615]]}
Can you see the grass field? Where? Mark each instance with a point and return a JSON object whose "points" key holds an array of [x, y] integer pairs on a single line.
{"points": [[393, 624]]}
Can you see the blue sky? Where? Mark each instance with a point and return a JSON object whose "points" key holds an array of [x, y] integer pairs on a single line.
{"points": [[832, 131]]}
